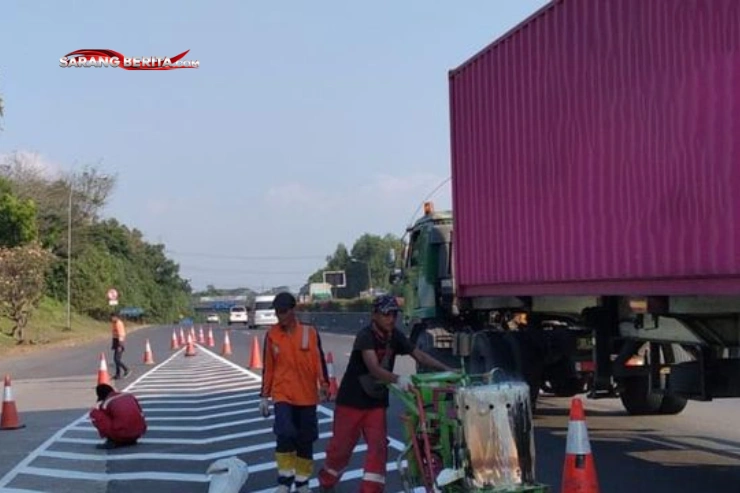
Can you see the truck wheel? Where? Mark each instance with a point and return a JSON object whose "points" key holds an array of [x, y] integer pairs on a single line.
{"points": [[672, 404], [637, 399]]}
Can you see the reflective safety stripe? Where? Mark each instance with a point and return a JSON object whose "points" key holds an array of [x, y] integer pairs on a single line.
{"points": [[332, 472], [7, 394], [304, 337], [577, 443], [286, 473], [373, 477]]}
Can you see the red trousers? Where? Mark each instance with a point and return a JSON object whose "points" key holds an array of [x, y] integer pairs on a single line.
{"points": [[349, 424]]}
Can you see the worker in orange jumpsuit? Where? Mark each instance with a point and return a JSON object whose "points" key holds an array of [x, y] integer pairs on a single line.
{"points": [[118, 334], [118, 417], [296, 379], [363, 397]]}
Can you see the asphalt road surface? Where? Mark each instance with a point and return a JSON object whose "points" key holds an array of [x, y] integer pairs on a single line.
{"points": [[204, 407]]}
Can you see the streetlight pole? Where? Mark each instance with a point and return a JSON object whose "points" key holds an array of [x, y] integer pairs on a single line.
{"points": [[69, 257]]}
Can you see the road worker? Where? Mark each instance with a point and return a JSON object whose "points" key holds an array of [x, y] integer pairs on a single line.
{"points": [[118, 417], [363, 397], [295, 379], [118, 333]]}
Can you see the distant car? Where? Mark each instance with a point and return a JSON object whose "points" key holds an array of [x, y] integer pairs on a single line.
{"points": [[238, 315], [263, 314], [213, 318]]}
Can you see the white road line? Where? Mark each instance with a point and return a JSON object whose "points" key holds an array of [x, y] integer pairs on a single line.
{"points": [[16, 490], [91, 429], [197, 441], [351, 474], [194, 409], [123, 476], [201, 383], [192, 398], [159, 388], [148, 400]]}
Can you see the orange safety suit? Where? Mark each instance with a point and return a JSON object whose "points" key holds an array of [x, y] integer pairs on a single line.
{"points": [[118, 330], [294, 375], [294, 366]]}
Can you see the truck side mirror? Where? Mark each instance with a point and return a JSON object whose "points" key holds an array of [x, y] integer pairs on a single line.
{"points": [[395, 276]]}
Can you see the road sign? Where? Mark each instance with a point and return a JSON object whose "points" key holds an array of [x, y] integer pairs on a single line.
{"points": [[113, 302], [335, 278], [112, 294]]}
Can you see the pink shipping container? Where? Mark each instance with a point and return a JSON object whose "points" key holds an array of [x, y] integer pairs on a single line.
{"points": [[596, 150]]}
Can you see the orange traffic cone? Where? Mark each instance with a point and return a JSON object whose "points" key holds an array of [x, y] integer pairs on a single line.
{"points": [[192, 333], [201, 338], [175, 344], [333, 387], [9, 419], [227, 345], [103, 376], [183, 341], [148, 356], [579, 471], [211, 342], [191, 347], [255, 361]]}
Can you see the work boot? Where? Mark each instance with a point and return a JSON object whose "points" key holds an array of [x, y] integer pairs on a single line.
{"points": [[303, 489], [328, 489], [107, 445]]}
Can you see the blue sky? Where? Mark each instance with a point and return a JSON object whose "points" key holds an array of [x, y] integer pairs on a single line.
{"points": [[297, 109]]}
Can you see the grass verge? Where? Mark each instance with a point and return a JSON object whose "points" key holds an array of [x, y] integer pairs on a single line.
{"points": [[47, 328]]}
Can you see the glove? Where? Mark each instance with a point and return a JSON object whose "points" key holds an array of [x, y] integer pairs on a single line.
{"points": [[265, 407], [404, 383], [324, 395]]}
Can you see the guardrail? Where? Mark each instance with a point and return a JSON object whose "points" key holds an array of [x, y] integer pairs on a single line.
{"points": [[340, 322]]}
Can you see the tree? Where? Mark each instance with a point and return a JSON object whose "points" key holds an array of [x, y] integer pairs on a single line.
{"points": [[369, 253], [22, 282], [17, 221]]}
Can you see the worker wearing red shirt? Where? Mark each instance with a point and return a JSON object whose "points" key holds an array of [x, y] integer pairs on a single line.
{"points": [[296, 379], [118, 417]]}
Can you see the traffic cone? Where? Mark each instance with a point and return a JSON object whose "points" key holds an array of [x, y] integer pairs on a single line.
{"points": [[175, 344], [183, 341], [192, 333], [255, 362], [211, 342], [103, 376], [191, 347], [227, 345], [201, 339], [148, 356], [579, 470], [9, 419], [333, 387]]}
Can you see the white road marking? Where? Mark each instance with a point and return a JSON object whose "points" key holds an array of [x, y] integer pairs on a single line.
{"points": [[148, 389]]}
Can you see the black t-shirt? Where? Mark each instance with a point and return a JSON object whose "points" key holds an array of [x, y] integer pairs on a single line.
{"points": [[351, 392]]}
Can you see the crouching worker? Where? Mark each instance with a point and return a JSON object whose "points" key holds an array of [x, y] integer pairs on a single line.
{"points": [[296, 379], [363, 397], [118, 418]]}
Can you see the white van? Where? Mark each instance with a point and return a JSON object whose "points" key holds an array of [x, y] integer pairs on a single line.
{"points": [[238, 315], [262, 311]]}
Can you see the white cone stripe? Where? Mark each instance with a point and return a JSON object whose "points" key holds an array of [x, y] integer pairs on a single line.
{"points": [[7, 394], [577, 443]]}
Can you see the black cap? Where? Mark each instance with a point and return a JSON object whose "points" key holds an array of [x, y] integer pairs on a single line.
{"points": [[283, 300]]}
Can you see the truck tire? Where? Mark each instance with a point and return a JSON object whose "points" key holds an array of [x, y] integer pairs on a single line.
{"points": [[637, 399], [673, 404]]}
